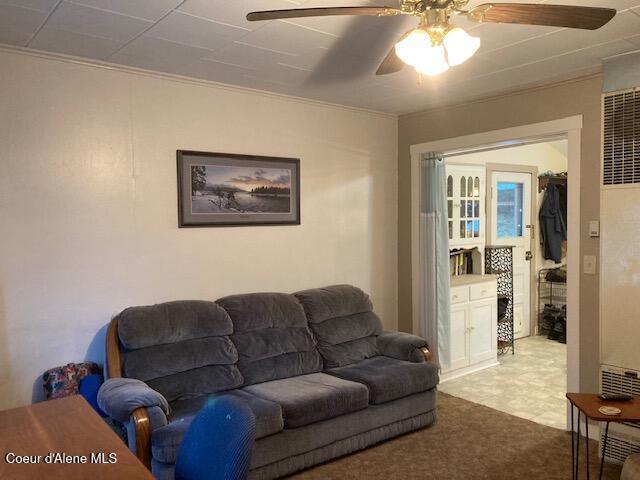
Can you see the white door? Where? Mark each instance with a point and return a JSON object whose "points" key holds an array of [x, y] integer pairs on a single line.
{"points": [[482, 330], [510, 225], [459, 340]]}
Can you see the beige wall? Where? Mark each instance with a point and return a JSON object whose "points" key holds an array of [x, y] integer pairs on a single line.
{"points": [[88, 204], [579, 97]]}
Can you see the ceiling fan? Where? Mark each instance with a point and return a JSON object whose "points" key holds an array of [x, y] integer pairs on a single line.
{"points": [[435, 45]]}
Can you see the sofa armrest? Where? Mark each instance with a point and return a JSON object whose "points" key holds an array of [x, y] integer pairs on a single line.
{"points": [[135, 403], [120, 397], [631, 467], [404, 346]]}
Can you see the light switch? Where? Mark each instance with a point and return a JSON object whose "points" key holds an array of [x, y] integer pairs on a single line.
{"points": [[594, 229], [589, 265]]}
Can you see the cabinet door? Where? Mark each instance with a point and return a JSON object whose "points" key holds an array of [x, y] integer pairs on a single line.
{"points": [[465, 204], [459, 340], [483, 327]]}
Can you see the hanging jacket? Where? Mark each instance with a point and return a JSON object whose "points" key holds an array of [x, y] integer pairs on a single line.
{"points": [[562, 192], [553, 230]]}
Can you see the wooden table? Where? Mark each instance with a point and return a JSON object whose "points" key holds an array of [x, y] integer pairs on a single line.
{"points": [[68, 426], [588, 404]]}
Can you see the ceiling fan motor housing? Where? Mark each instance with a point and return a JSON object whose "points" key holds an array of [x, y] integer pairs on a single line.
{"points": [[419, 7]]}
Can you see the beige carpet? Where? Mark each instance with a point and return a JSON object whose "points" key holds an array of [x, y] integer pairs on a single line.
{"points": [[469, 441]]}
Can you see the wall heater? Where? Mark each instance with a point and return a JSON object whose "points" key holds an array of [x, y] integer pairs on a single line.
{"points": [[620, 246], [624, 439]]}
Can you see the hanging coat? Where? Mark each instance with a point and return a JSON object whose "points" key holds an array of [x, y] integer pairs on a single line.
{"points": [[553, 230]]}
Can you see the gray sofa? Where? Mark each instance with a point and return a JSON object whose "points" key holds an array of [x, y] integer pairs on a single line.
{"points": [[315, 367]]}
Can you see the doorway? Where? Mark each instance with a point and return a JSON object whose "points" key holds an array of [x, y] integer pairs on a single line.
{"points": [[517, 189], [527, 377]]}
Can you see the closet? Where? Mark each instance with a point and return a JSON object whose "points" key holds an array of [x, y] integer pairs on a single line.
{"points": [[552, 274]]}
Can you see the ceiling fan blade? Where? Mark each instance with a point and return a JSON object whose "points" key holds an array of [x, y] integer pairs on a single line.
{"points": [[391, 63], [321, 12], [569, 16]]}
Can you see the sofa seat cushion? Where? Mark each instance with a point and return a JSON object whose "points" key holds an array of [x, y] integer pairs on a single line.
{"points": [[388, 379], [166, 440], [311, 398]]}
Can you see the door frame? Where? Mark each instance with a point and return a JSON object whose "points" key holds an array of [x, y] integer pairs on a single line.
{"points": [[533, 170], [571, 129]]}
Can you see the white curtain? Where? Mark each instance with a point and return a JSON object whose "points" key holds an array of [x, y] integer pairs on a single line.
{"points": [[434, 257]]}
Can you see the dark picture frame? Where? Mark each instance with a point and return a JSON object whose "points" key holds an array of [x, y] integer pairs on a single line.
{"points": [[230, 190]]}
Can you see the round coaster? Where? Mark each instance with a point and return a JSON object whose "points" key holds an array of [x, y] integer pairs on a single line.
{"points": [[605, 410]]}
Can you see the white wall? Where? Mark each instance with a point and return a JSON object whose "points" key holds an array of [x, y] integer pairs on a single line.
{"points": [[88, 204], [546, 156]]}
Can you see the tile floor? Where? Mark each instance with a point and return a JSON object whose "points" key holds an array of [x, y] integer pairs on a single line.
{"points": [[530, 384]]}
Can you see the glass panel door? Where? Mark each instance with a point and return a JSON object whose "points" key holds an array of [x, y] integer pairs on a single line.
{"points": [[510, 215]]}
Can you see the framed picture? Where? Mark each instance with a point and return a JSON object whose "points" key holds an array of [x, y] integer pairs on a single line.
{"points": [[223, 189]]}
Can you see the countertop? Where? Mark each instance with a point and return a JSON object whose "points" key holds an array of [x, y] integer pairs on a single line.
{"points": [[470, 279]]}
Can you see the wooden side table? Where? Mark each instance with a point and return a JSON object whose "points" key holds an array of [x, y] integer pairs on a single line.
{"points": [[67, 426], [588, 405]]}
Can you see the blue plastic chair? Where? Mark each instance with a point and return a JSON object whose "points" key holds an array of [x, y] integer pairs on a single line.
{"points": [[219, 441]]}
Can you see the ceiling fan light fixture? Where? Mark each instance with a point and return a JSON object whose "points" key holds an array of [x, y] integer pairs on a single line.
{"points": [[435, 45], [432, 62], [460, 46], [411, 49]]}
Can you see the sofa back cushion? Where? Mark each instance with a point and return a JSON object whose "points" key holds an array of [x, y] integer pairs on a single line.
{"points": [[181, 349], [342, 319], [272, 336]]}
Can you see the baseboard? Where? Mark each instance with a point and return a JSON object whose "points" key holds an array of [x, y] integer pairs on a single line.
{"points": [[461, 372]]}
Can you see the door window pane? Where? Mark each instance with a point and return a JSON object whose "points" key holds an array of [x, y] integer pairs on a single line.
{"points": [[463, 208], [476, 228], [470, 187], [476, 208], [450, 229], [476, 187], [469, 229], [449, 208], [509, 209], [463, 186], [449, 186], [462, 228], [470, 209]]}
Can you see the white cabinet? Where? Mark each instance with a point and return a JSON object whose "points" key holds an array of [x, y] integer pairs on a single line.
{"points": [[459, 344], [472, 343], [466, 204], [483, 330]]}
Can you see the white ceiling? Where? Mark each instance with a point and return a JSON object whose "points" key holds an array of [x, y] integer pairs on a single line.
{"points": [[330, 58]]}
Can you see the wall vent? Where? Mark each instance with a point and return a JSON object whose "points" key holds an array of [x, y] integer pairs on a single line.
{"points": [[619, 380], [621, 137], [619, 446], [624, 439]]}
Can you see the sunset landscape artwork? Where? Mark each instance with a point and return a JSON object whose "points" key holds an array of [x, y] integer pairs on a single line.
{"points": [[229, 189], [226, 189]]}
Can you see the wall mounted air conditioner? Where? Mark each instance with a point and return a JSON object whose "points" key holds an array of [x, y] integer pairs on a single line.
{"points": [[624, 438]]}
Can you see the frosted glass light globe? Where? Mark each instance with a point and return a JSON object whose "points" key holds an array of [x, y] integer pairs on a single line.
{"points": [[411, 48], [432, 61], [460, 46]]}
